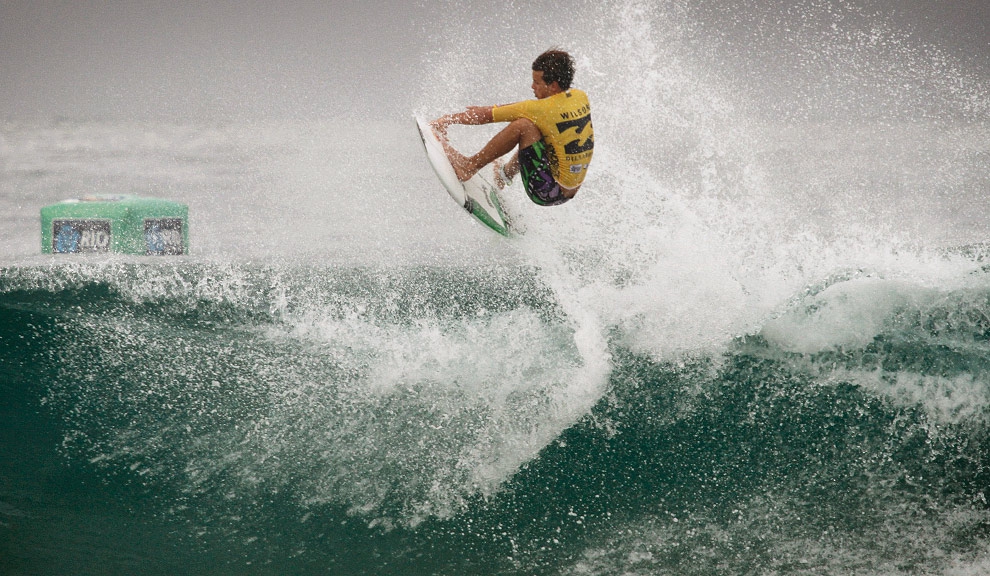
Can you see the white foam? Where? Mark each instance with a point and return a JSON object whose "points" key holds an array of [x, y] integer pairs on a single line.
{"points": [[483, 394], [846, 315]]}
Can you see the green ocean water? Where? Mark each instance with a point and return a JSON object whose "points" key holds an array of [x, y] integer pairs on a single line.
{"points": [[180, 418]]}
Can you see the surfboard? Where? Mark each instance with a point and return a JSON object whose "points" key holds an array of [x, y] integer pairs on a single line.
{"points": [[479, 196]]}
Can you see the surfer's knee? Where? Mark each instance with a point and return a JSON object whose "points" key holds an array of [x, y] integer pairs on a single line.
{"points": [[527, 130]]}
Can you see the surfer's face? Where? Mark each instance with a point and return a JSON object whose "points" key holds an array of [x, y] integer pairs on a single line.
{"points": [[540, 88]]}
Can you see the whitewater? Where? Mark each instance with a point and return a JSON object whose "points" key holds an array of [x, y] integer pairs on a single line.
{"points": [[757, 342]]}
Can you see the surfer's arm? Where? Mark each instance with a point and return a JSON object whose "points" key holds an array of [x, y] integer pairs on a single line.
{"points": [[474, 115]]}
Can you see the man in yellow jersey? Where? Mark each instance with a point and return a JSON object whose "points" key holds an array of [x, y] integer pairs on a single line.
{"points": [[553, 133]]}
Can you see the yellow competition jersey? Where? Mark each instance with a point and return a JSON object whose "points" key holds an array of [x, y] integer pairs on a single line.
{"points": [[565, 121]]}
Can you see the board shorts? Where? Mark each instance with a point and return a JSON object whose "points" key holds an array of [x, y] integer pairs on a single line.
{"points": [[537, 176]]}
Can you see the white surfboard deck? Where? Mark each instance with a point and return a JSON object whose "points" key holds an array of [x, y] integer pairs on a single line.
{"points": [[478, 195]]}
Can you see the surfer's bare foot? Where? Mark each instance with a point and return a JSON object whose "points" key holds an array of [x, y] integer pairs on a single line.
{"points": [[462, 166], [461, 163], [502, 178]]}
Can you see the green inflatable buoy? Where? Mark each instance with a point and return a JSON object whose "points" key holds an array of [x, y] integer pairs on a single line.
{"points": [[115, 223]]}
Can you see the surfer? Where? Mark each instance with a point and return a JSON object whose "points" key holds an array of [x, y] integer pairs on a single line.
{"points": [[553, 133]]}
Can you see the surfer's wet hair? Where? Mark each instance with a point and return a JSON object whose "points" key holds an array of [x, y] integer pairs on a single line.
{"points": [[557, 66]]}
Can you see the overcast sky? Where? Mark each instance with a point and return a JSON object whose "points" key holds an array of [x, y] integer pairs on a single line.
{"points": [[136, 58], [223, 59]]}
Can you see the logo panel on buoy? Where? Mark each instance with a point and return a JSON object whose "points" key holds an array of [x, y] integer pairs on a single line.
{"points": [[163, 236], [69, 236]]}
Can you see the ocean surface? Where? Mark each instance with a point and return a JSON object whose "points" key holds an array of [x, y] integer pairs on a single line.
{"points": [[757, 342]]}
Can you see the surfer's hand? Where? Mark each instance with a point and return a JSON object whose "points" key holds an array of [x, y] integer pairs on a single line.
{"points": [[440, 126]]}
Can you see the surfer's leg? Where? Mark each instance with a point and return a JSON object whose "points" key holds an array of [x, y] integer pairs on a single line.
{"points": [[504, 172], [521, 133], [512, 166]]}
